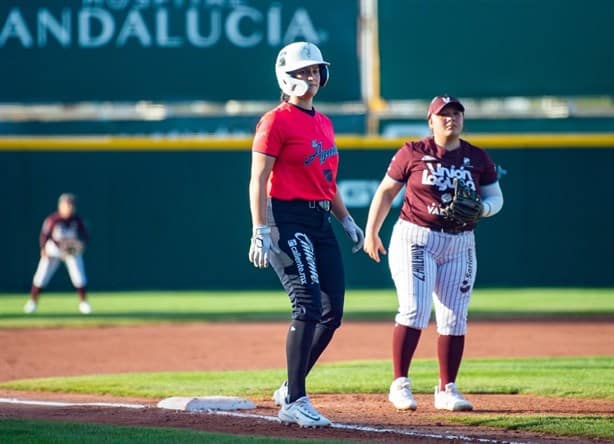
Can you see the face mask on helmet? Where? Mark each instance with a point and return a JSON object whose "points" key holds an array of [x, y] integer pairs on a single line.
{"points": [[296, 56]]}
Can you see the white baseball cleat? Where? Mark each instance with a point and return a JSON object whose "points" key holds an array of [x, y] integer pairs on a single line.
{"points": [[451, 399], [30, 306], [85, 307], [400, 394], [279, 396], [301, 412]]}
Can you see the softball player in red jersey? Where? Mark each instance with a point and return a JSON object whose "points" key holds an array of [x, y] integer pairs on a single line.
{"points": [[432, 258], [292, 194], [60, 228]]}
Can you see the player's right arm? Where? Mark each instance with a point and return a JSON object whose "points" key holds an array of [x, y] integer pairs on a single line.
{"points": [[379, 209], [45, 233], [261, 243], [262, 165]]}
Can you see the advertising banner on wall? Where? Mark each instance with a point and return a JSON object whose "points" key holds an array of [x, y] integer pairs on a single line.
{"points": [[125, 50]]}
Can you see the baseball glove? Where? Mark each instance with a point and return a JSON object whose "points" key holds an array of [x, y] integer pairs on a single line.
{"points": [[465, 206], [71, 246]]}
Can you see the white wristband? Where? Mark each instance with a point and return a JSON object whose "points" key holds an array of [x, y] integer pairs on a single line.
{"points": [[261, 229]]}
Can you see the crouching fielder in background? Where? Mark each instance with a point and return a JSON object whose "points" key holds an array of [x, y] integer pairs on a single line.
{"points": [[293, 193], [450, 185], [62, 239]]}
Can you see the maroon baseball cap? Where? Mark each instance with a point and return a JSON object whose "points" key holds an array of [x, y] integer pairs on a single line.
{"points": [[440, 102]]}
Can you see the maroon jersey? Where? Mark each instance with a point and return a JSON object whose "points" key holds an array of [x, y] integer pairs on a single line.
{"points": [[306, 155], [428, 172], [58, 229]]}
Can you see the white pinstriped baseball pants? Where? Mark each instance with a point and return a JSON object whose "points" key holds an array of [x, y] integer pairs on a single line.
{"points": [[48, 265], [432, 267]]}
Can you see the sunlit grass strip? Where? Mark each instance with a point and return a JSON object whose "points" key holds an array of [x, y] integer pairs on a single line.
{"points": [[122, 308], [18, 431], [566, 377], [599, 427]]}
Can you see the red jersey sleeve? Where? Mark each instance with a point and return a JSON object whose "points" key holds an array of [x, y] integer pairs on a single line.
{"points": [[489, 176], [399, 168], [267, 139]]}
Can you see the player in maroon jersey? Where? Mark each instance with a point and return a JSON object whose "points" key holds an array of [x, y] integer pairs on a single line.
{"points": [[432, 258], [293, 193], [62, 239]]}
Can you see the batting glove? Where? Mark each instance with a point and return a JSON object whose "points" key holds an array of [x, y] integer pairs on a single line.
{"points": [[261, 246], [354, 231]]}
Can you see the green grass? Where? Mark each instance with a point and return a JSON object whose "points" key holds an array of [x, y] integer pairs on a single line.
{"points": [[567, 377], [599, 427], [18, 431], [561, 377], [60, 309]]}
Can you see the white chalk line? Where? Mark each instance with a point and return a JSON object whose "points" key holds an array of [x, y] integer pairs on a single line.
{"points": [[373, 429], [354, 427], [70, 404]]}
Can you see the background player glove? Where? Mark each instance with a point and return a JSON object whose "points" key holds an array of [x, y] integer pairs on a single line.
{"points": [[261, 245], [355, 233], [466, 206], [71, 246]]}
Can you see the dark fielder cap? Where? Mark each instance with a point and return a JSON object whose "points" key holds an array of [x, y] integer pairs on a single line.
{"points": [[439, 102]]}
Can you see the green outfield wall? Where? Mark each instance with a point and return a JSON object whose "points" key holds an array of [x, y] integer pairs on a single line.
{"points": [[173, 214], [495, 48]]}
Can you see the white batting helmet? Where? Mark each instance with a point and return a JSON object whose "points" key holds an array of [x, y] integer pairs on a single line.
{"points": [[295, 56]]}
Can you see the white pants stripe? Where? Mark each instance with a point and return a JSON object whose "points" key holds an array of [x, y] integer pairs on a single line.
{"points": [[429, 267]]}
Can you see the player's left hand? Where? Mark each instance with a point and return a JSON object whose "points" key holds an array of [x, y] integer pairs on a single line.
{"points": [[261, 246], [354, 232], [374, 247]]}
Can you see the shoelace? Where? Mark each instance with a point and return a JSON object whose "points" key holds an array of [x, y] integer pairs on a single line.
{"points": [[453, 391], [406, 388]]}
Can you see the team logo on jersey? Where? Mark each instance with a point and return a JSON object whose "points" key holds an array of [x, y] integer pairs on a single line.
{"points": [[328, 174], [467, 163], [320, 153], [442, 177], [434, 209], [65, 231]]}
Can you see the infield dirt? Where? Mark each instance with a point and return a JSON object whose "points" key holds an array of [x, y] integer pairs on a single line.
{"points": [[29, 353]]}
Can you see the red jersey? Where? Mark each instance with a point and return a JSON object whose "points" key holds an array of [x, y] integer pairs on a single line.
{"points": [[304, 147], [58, 229], [428, 171]]}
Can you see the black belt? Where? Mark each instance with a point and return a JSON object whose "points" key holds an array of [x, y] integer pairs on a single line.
{"points": [[450, 230], [319, 205], [323, 205]]}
